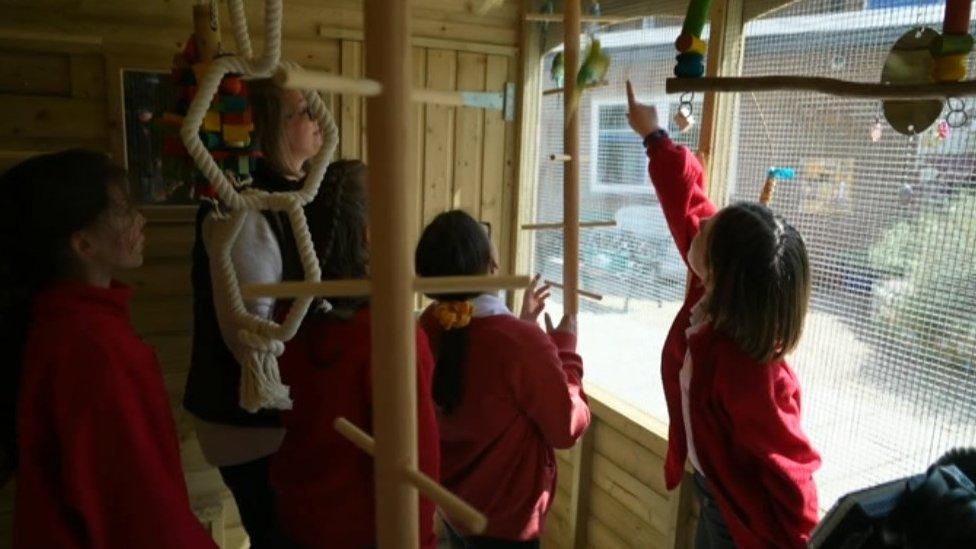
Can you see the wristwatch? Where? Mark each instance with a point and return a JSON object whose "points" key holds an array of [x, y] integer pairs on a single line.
{"points": [[654, 136]]}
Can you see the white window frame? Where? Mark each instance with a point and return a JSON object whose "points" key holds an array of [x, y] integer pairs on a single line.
{"points": [[596, 186]]}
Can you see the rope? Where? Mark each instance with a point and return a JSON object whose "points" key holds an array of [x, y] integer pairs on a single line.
{"points": [[261, 385], [238, 22]]}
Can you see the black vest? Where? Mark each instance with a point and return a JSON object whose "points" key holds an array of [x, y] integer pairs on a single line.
{"points": [[212, 386]]}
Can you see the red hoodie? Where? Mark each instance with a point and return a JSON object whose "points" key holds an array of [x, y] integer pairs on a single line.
{"points": [[99, 458], [523, 396], [746, 420], [325, 483]]}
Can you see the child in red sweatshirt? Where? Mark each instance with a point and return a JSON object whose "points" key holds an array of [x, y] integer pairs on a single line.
{"points": [[507, 393], [99, 462], [733, 400], [323, 483]]}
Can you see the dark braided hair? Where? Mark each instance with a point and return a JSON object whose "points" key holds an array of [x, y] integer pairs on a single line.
{"points": [[337, 221], [453, 244], [43, 202]]}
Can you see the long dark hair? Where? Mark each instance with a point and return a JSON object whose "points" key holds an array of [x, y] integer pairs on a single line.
{"points": [[454, 244], [337, 220], [761, 273], [43, 202]]}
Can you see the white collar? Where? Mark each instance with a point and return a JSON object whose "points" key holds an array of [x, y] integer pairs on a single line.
{"points": [[489, 305]]}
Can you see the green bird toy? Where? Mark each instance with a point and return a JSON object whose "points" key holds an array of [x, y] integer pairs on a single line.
{"points": [[558, 70], [595, 66]]}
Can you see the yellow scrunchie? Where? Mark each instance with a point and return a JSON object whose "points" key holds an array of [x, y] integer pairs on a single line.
{"points": [[454, 314]]}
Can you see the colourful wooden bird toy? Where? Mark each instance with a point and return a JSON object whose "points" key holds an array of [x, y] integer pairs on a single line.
{"points": [[228, 125], [690, 46]]}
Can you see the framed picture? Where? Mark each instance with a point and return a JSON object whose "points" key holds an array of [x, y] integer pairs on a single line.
{"points": [[156, 179]]}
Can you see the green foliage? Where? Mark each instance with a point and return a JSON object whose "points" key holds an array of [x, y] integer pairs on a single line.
{"points": [[935, 301]]}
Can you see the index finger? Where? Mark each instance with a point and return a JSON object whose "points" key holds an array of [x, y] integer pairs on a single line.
{"points": [[631, 100]]}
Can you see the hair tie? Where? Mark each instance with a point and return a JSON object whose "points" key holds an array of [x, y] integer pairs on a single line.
{"points": [[454, 314]]}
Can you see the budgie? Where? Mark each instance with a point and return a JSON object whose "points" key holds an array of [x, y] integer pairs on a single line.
{"points": [[548, 8], [558, 70], [594, 67]]}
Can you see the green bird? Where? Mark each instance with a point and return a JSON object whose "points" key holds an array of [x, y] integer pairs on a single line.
{"points": [[548, 8], [595, 66], [558, 70]]}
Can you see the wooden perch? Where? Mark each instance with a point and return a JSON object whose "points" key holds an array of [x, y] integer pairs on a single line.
{"points": [[454, 506], [566, 158], [592, 295], [452, 284], [558, 18], [326, 288], [582, 225], [831, 86], [484, 6], [600, 84], [302, 79], [360, 286]]}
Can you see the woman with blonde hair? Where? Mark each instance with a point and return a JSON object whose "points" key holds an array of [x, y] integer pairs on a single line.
{"points": [[239, 443]]}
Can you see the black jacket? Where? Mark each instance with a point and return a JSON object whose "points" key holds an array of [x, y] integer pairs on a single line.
{"points": [[212, 386]]}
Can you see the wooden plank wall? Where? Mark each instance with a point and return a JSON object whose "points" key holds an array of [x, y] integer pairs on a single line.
{"points": [[624, 502], [60, 66]]}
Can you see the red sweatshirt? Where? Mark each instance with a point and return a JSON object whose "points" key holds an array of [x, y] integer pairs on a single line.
{"points": [[325, 483], [99, 458], [746, 415], [523, 396]]}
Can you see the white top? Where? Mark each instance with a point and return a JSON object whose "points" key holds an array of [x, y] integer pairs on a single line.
{"points": [[698, 319], [489, 305], [257, 259]]}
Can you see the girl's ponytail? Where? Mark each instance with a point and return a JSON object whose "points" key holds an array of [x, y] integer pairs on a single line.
{"points": [[454, 244]]}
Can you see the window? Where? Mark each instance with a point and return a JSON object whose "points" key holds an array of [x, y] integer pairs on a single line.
{"points": [[156, 178], [888, 359], [618, 165], [634, 265], [620, 161]]}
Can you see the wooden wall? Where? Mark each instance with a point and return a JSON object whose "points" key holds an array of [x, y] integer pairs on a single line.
{"points": [[611, 492], [60, 86]]}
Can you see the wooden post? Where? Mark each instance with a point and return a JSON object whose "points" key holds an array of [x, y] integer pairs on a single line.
{"points": [[392, 184], [206, 30], [571, 54], [716, 151], [523, 244]]}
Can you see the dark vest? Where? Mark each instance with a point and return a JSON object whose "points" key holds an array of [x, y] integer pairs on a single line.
{"points": [[212, 386]]}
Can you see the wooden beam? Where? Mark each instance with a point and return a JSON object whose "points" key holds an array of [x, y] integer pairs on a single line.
{"points": [[830, 86], [456, 507], [424, 41], [582, 458], [571, 138], [584, 293], [724, 58], [325, 288], [484, 6], [294, 78], [558, 18], [527, 125], [392, 185], [583, 225], [600, 84]]}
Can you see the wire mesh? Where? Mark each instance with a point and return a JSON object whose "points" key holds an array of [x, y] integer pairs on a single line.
{"points": [[633, 265], [888, 360]]}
